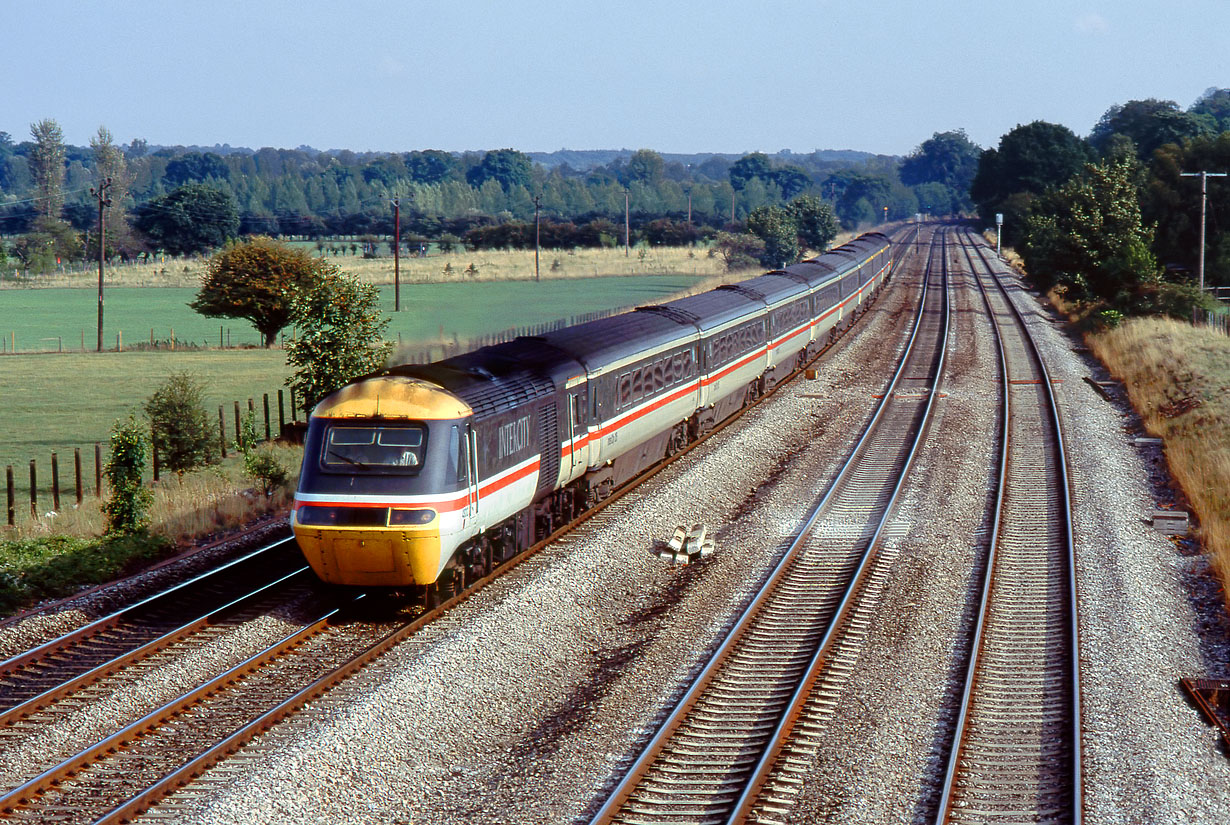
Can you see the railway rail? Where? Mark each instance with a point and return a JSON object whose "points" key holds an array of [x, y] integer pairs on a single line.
{"points": [[117, 777], [716, 750], [1016, 753]]}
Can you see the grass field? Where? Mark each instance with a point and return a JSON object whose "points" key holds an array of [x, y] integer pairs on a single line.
{"points": [[42, 320], [60, 401], [438, 267]]}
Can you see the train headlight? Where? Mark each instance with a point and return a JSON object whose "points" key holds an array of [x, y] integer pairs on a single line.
{"points": [[318, 516], [410, 517]]}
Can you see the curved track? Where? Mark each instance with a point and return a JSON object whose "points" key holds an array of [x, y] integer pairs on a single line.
{"points": [[1017, 751], [716, 750], [117, 777]]}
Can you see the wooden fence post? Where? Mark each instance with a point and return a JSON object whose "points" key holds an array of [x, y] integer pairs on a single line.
{"points": [[55, 482], [8, 479], [222, 430], [268, 436], [281, 414], [77, 472], [293, 414], [238, 433], [33, 490], [97, 470]]}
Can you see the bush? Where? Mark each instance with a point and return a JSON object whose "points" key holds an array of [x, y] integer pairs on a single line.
{"points": [[181, 431], [127, 510], [258, 462]]}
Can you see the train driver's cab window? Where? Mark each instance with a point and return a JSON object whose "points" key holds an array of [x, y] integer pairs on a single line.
{"points": [[383, 449]]}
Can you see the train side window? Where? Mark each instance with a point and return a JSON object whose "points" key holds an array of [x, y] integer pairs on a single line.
{"points": [[638, 384], [624, 398], [457, 448]]}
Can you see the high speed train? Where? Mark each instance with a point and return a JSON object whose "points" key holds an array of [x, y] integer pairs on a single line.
{"points": [[426, 473]]}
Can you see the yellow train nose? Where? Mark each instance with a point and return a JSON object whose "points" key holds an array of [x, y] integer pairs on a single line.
{"points": [[373, 558]]}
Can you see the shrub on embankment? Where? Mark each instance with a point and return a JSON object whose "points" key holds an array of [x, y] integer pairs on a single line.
{"points": [[1178, 378]]}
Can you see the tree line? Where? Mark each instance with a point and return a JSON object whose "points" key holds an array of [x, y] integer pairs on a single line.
{"points": [[1108, 219], [186, 201]]}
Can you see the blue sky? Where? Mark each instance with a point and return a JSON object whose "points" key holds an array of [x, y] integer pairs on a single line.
{"points": [[537, 76]]}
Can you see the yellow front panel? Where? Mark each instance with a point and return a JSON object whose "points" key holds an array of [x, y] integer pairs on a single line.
{"points": [[376, 558]]}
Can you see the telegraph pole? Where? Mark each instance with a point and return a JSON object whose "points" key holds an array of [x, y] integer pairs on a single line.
{"points": [[1204, 193], [103, 203], [397, 254], [537, 203]]}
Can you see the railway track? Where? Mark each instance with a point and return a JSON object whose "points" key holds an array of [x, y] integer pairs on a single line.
{"points": [[719, 748], [117, 777], [1016, 754]]}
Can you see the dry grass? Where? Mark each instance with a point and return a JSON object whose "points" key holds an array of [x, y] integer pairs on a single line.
{"points": [[489, 265], [1178, 378], [200, 504]]}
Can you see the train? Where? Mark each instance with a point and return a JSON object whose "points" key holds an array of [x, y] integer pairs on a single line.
{"points": [[431, 475]]}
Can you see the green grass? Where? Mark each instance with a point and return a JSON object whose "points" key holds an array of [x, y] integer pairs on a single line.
{"points": [[43, 320], [55, 566], [58, 402], [55, 402]]}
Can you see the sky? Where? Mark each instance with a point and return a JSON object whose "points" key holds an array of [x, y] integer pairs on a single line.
{"points": [[685, 77]]}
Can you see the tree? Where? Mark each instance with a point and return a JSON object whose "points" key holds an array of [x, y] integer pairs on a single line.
{"points": [[181, 432], [340, 336], [754, 165], [948, 158], [193, 218], [110, 163], [195, 166], [127, 510], [507, 167], [791, 180], [1215, 105], [1149, 124], [776, 227], [1030, 160], [814, 222], [1088, 235], [645, 165], [46, 160], [258, 280], [739, 250], [430, 166]]}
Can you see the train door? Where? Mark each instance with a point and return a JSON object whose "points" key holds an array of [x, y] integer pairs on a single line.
{"points": [[472, 480], [578, 405]]}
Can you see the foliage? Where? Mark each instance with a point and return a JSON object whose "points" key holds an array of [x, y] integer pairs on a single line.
{"points": [[54, 566], [645, 165], [50, 241], [340, 336], [947, 158], [814, 222], [191, 219], [507, 167], [1088, 235], [111, 165], [259, 462], [181, 430], [258, 279], [127, 510], [776, 227], [1214, 105], [1030, 160], [1173, 202], [46, 160], [739, 250], [1148, 124]]}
